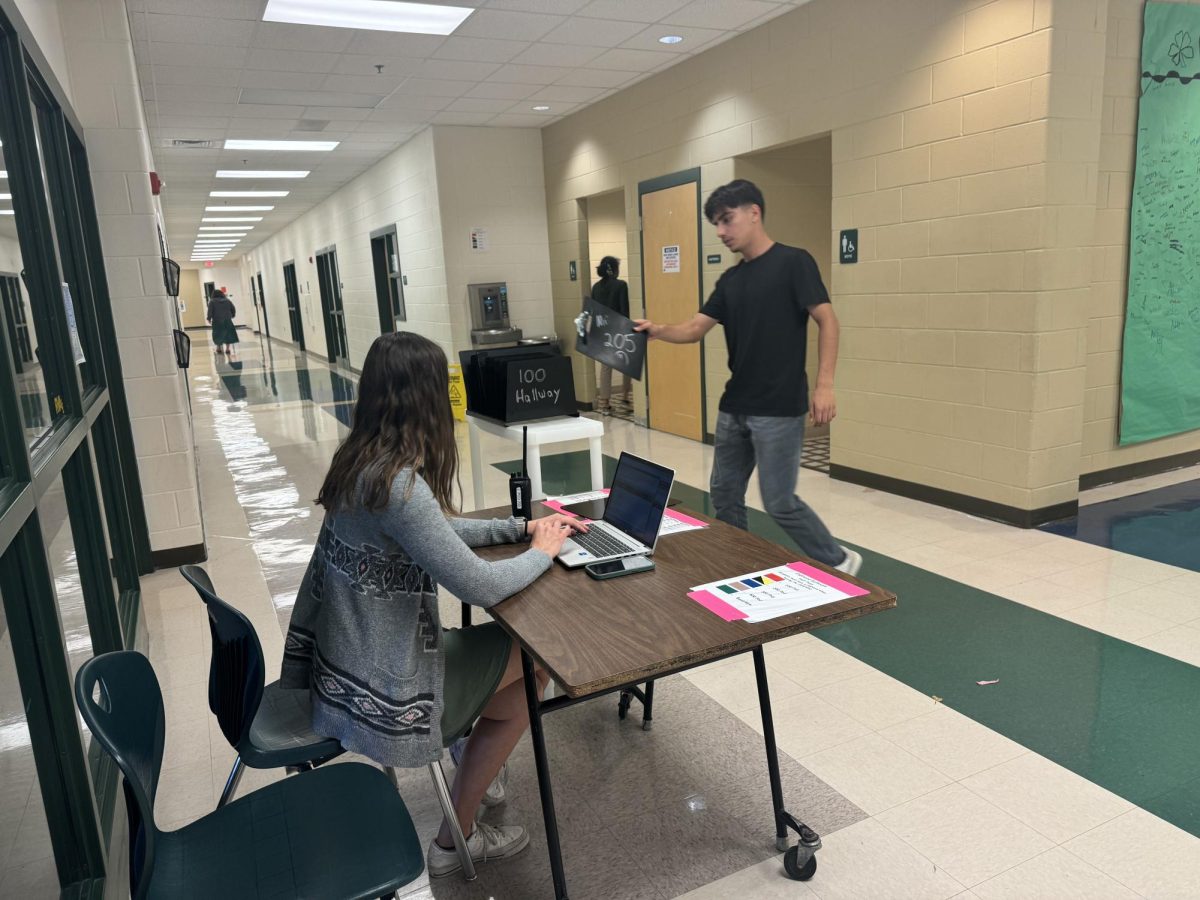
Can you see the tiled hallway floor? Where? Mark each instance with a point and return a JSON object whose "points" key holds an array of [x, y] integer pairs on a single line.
{"points": [[915, 798]]}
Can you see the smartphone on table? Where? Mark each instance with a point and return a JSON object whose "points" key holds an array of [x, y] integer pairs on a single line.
{"points": [[614, 568]]}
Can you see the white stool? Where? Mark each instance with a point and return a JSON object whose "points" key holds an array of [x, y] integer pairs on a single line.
{"points": [[544, 431]]}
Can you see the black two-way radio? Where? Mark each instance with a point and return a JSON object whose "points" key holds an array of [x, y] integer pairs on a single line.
{"points": [[519, 493]]}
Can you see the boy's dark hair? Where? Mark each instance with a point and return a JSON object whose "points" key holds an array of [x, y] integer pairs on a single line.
{"points": [[739, 192]]}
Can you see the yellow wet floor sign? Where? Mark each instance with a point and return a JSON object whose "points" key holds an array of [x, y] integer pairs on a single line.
{"points": [[458, 394]]}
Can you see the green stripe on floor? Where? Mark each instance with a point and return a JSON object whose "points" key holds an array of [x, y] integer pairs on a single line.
{"points": [[1125, 718]]}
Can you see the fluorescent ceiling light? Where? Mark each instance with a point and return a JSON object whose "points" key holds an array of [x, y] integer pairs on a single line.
{"points": [[226, 242], [541, 108], [238, 208], [670, 39], [247, 193], [372, 15], [228, 229], [6, 212], [3, 173], [232, 219], [5, 196], [262, 173], [280, 145]]}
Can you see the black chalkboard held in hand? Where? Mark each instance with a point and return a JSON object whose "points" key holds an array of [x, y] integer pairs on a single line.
{"points": [[539, 388], [608, 337]]}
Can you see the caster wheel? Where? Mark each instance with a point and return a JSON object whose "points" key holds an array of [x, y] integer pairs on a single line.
{"points": [[791, 863]]}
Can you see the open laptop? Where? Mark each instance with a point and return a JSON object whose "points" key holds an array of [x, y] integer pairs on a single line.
{"points": [[632, 515]]}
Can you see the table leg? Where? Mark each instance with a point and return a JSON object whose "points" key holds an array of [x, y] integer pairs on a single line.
{"points": [[764, 704], [476, 463], [542, 764], [533, 468], [597, 458]]}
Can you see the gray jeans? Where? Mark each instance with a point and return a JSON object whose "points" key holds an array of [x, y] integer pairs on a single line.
{"points": [[774, 442]]}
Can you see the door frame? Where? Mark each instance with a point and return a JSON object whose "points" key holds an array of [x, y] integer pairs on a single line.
{"points": [[383, 298], [296, 323], [650, 186], [262, 305], [328, 310]]}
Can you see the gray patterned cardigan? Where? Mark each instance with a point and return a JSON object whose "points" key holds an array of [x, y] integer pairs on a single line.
{"points": [[365, 636]]}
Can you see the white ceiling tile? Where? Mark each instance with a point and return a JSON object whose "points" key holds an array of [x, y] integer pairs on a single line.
{"points": [[556, 109], [514, 74], [725, 14], [414, 102], [266, 111], [306, 38], [191, 108], [479, 49], [605, 78], [693, 39], [284, 81], [560, 7], [404, 116], [478, 105], [558, 93], [631, 60], [364, 65], [513, 26], [455, 70], [328, 112], [390, 43], [194, 127], [207, 93], [196, 55], [462, 118], [225, 9], [195, 29], [287, 61], [564, 55], [381, 83], [188, 75], [494, 90], [632, 10], [592, 32], [519, 120], [309, 98], [427, 87]]}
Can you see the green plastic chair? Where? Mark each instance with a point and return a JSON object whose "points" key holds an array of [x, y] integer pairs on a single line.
{"points": [[268, 726], [335, 832]]}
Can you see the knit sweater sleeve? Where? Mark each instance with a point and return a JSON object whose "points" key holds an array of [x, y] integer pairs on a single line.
{"points": [[487, 532], [414, 519]]}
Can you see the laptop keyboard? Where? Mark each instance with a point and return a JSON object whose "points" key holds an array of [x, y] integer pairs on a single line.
{"points": [[599, 543]]}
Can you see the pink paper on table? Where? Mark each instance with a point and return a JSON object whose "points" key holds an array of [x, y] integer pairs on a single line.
{"points": [[716, 605], [850, 590], [686, 520], [558, 507]]}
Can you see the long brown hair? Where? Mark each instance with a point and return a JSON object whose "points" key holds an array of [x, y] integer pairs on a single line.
{"points": [[402, 418]]}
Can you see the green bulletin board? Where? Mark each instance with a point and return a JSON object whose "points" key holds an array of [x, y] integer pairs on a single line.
{"points": [[1160, 366]]}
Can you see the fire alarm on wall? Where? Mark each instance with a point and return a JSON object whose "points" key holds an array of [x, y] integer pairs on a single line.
{"points": [[155, 184]]}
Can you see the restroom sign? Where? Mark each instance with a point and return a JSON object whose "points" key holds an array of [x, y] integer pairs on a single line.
{"points": [[670, 259], [848, 246]]}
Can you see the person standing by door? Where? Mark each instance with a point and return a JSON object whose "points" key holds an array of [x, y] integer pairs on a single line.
{"points": [[220, 313], [765, 302], [612, 292]]}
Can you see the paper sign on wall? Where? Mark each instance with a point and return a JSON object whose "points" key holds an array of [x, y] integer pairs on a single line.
{"points": [[479, 240], [76, 346], [670, 259]]}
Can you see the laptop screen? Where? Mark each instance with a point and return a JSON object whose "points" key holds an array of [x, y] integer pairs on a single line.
{"points": [[639, 494]]}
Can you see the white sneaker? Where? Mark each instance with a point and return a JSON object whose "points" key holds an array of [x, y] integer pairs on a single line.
{"points": [[487, 842], [851, 564]]}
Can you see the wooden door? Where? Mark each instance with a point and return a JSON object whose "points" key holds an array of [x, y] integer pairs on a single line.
{"points": [[671, 279]]}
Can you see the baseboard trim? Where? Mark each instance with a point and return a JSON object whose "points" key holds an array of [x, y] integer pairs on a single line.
{"points": [[179, 556], [986, 509], [1141, 469]]}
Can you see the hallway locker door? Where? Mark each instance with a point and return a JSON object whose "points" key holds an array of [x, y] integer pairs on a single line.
{"points": [[330, 287], [670, 209], [292, 289]]}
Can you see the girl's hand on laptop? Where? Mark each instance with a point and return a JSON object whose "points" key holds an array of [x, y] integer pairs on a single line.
{"points": [[549, 533]]}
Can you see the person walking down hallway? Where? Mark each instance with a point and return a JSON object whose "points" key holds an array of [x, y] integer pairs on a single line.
{"points": [[220, 313], [764, 303], [612, 292]]}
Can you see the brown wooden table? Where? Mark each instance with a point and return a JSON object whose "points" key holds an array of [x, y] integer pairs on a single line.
{"points": [[597, 637]]}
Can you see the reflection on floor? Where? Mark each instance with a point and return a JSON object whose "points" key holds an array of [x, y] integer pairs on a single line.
{"points": [[954, 804], [1162, 524]]}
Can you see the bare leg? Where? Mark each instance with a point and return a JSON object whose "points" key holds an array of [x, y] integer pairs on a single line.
{"points": [[501, 725]]}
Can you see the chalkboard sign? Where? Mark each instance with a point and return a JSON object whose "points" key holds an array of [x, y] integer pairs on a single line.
{"points": [[608, 337], [539, 389]]}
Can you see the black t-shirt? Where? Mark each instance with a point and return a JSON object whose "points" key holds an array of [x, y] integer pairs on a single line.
{"points": [[763, 304]]}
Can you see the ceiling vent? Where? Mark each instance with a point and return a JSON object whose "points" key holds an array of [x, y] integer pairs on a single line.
{"points": [[187, 144], [311, 125]]}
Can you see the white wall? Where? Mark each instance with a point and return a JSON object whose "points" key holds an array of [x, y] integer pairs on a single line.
{"points": [[492, 178], [45, 23], [400, 190]]}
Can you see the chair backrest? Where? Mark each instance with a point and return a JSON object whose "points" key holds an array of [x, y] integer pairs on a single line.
{"points": [[237, 673], [119, 698]]}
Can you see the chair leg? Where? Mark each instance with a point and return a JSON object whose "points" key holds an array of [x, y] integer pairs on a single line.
{"points": [[460, 841], [231, 783]]}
